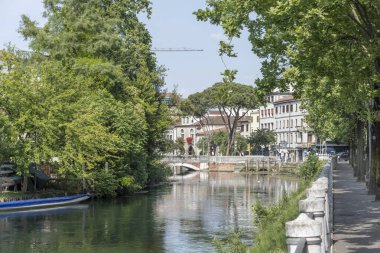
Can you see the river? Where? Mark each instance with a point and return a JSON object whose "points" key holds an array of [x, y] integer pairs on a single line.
{"points": [[181, 217]]}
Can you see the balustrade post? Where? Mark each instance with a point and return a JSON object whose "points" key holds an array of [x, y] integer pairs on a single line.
{"points": [[319, 190], [303, 227], [315, 209]]}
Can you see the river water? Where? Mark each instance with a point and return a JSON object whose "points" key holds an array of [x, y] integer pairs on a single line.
{"points": [[182, 217]]}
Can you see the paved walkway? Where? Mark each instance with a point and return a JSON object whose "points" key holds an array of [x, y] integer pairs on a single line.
{"points": [[356, 214]]}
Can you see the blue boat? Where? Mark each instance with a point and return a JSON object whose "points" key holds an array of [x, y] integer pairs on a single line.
{"points": [[42, 203]]}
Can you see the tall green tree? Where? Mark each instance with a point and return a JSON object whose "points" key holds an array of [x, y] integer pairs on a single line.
{"points": [[89, 93], [232, 100], [328, 51]]}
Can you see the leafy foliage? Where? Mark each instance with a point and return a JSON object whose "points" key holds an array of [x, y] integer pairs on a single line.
{"points": [[270, 221], [310, 168], [325, 49], [88, 93], [261, 137], [232, 244], [233, 101], [104, 184]]}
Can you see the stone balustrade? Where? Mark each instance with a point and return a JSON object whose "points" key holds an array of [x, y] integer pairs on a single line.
{"points": [[311, 231]]}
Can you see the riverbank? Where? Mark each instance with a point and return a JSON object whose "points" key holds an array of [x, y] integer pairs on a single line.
{"points": [[6, 196]]}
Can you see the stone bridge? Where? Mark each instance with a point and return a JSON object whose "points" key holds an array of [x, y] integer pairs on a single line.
{"points": [[224, 163]]}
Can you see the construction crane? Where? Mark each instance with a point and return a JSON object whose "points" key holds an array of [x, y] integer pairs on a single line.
{"points": [[176, 50]]}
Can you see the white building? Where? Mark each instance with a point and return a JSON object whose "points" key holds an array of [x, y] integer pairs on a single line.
{"points": [[267, 113], [253, 124], [283, 115], [192, 130]]}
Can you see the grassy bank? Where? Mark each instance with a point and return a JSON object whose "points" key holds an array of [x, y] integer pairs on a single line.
{"points": [[270, 220]]}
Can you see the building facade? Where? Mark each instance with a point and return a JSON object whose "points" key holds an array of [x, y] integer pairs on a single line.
{"points": [[283, 114]]}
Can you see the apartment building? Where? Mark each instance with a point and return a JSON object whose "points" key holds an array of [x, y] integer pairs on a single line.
{"points": [[283, 114]]}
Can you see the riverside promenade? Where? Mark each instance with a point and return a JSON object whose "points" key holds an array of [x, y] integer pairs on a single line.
{"points": [[356, 214]]}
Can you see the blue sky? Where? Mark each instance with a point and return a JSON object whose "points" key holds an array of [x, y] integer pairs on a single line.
{"points": [[172, 25]]}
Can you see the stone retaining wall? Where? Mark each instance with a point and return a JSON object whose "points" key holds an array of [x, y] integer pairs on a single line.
{"points": [[311, 230]]}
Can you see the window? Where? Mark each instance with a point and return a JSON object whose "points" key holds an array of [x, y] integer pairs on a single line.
{"points": [[262, 126], [271, 125], [182, 134], [296, 123], [192, 133], [276, 110], [283, 109], [287, 108], [246, 128], [291, 108], [296, 107], [272, 112], [262, 113], [291, 123]]}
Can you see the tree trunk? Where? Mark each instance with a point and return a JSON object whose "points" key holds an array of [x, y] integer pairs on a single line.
{"points": [[361, 164], [375, 168], [354, 153], [24, 187], [230, 142]]}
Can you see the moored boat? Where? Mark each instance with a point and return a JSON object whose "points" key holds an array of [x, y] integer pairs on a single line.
{"points": [[43, 202]]}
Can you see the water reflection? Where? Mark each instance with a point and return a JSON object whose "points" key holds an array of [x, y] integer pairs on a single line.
{"points": [[212, 204], [183, 217]]}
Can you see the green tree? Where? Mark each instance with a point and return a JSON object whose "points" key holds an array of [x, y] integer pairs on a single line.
{"points": [[89, 93], [232, 100], [261, 138], [328, 51]]}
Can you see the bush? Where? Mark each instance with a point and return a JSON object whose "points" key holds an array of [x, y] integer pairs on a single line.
{"points": [[232, 244], [129, 184], [158, 172], [310, 168], [105, 184]]}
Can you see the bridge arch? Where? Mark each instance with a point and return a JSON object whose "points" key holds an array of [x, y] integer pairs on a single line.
{"points": [[187, 165]]}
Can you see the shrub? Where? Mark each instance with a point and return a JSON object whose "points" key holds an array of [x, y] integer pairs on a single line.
{"points": [[105, 184], [309, 169], [232, 244], [129, 184]]}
